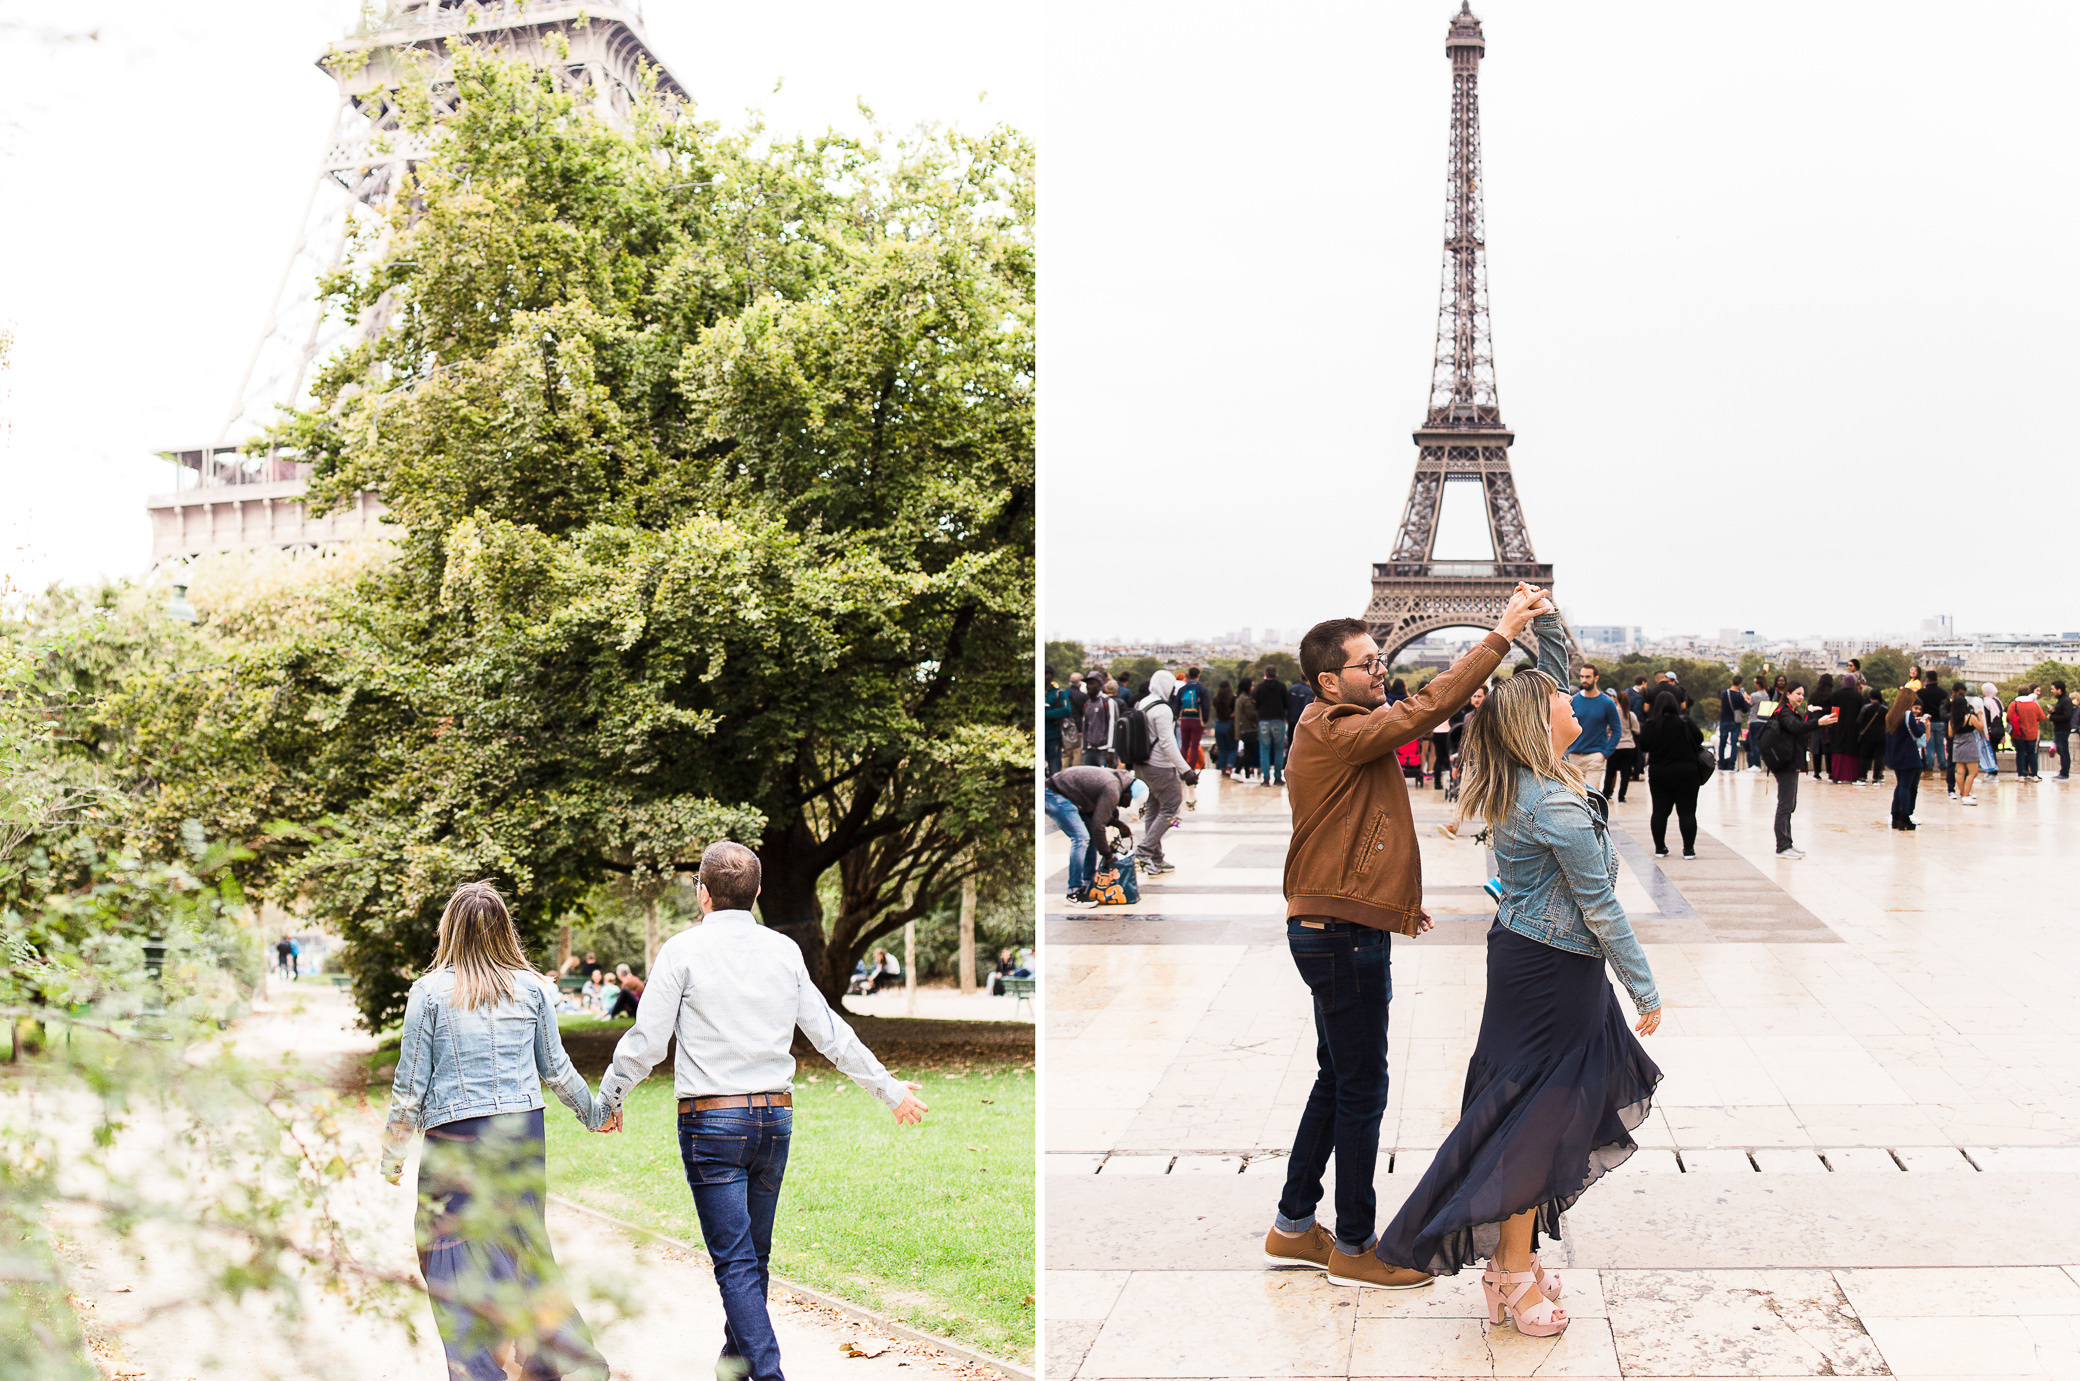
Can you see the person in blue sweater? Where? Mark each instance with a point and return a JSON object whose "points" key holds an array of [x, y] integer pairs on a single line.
{"points": [[1593, 710]]}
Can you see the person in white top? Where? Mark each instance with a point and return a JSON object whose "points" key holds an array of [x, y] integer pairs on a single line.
{"points": [[732, 992]]}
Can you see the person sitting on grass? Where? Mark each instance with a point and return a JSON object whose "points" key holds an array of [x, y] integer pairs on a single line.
{"points": [[589, 995], [631, 993]]}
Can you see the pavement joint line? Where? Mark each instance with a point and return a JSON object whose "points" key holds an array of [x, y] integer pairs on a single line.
{"points": [[1175, 1160], [818, 1297]]}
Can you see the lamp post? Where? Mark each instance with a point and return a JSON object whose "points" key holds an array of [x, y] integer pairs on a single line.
{"points": [[155, 993]]}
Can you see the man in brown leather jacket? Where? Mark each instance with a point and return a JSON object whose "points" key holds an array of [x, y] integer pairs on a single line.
{"points": [[1353, 875]]}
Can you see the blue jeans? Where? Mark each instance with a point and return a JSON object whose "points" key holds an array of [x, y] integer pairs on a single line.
{"points": [[1729, 745], [1755, 743], [1062, 811], [735, 1159], [1224, 745], [2025, 757], [1271, 749], [1348, 969]]}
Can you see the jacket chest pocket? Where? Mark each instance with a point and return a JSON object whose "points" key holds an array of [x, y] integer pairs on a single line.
{"points": [[1372, 843]]}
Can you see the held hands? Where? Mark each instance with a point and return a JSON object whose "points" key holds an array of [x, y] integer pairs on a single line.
{"points": [[612, 1124], [1525, 603], [1649, 1022], [911, 1110]]}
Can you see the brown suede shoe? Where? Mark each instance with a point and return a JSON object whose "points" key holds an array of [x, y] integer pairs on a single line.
{"points": [[1368, 1269], [1312, 1248]]}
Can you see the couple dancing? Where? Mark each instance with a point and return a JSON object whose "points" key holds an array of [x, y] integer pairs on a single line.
{"points": [[480, 1040], [1557, 1082]]}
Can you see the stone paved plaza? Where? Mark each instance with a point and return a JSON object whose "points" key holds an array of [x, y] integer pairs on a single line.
{"points": [[1863, 1159]]}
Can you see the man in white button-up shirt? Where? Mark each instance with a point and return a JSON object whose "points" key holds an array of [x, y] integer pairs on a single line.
{"points": [[733, 992]]}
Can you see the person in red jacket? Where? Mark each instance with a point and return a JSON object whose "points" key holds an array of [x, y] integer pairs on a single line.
{"points": [[2025, 720]]}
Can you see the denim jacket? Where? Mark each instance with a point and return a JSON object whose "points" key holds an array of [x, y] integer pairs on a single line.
{"points": [[1558, 868], [491, 1058]]}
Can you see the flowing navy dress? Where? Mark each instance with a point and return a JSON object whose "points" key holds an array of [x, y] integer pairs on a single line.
{"points": [[484, 1250], [1556, 1085]]}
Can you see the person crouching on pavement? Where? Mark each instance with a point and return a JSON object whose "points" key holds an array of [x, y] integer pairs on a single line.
{"points": [[1353, 874]]}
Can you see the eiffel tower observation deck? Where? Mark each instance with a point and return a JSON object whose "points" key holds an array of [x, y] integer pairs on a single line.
{"points": [[223, 499], [1462, 439]]}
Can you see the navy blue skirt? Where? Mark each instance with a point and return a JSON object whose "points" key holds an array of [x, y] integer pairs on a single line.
{"points": [[1556, 1084], [484, 1251]]}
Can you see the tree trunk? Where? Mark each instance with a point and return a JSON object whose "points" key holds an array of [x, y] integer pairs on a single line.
{"points": [[789, 905], [563, 951], [967, 961], [909, 968], [649, 936]]}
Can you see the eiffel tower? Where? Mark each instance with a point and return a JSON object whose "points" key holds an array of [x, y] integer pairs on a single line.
{"points": [[223, 499], [1462, 439]]}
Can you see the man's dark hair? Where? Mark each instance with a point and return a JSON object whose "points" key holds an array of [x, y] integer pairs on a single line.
{"points": [[1191, 673], [731, 874], [2059, 686], [1322, 649], [1639, 680]]}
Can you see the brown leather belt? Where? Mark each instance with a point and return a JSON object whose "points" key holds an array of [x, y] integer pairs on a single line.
{"points": [[737, 1100]]}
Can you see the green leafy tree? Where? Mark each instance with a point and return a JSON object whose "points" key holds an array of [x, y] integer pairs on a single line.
{"points": [[711, 463], [1284, 664], [1067, 658]]}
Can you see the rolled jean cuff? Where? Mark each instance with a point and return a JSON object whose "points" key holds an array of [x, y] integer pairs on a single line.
{"points": [[1285, 1224]]}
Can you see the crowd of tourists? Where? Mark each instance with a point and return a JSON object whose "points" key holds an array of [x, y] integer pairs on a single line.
{"points": [[1111, 746], [1846, 732]]}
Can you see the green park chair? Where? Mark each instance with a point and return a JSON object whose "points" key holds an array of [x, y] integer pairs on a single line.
{"points": [[1022, 990]]}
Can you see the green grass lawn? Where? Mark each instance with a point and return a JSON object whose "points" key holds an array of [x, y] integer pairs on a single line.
{"points": [[932, 1225]]}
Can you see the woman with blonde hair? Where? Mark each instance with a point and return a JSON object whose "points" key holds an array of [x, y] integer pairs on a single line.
{"points": [[1557, 1082], [480, 1039]]}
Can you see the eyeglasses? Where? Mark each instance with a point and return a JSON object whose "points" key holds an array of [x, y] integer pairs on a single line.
{"points": [[1372, 665]]}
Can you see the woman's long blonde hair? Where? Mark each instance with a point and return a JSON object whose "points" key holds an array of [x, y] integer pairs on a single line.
{"points": [[479, 940], [1513, 728]]}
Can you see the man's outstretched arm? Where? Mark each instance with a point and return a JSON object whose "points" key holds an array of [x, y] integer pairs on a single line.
{"points": [[837, 1043]]}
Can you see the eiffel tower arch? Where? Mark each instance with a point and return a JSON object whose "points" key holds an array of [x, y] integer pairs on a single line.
{"points": [[224, 499], [1462, 439]]}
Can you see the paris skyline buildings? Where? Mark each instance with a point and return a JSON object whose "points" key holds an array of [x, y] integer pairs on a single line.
{"points": [[1722, 252]]}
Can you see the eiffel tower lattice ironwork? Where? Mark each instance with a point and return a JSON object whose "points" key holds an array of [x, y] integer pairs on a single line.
{"points": [[596, 49], [1462, 439]]}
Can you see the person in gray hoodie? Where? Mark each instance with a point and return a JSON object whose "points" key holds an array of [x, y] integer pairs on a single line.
{"points": [[1166, 773]]}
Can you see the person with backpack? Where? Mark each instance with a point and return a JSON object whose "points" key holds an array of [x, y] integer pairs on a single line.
{"points": [[1994, 734], [1904, 724], [1733, 706], [2025, 721], [1271, 727], [2062, 728], [1760, 708], [1784, 745], [1935, 747], [1872, 725], [1153, 755], [1246, 730], [1057, 711], [1194, 710]]}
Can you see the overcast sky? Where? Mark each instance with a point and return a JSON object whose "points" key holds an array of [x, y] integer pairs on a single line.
{"points": [[1783, 296], [156, 174]]}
